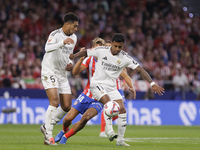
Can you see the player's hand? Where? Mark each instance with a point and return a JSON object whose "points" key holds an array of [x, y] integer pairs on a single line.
{"points": [[134, 92], [158, 89], [69, 67], [71, 56], [82, 58], [83, 48], [68, 41]]}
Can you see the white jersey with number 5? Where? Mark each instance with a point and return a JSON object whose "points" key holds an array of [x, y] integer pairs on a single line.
{"points": [[57, 54], [108, 66]]}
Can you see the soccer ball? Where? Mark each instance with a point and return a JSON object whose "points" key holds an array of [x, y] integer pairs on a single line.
{"points": [[111, 109]]}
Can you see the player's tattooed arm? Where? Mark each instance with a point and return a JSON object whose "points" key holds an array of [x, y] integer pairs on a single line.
{"points": [[128, 82], [79, 54], [144, 74]]}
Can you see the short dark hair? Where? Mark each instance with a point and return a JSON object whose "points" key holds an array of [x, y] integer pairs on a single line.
{"points": [[118, 37], [70, 17]]}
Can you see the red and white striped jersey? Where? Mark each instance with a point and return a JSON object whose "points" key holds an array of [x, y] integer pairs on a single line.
{"points": [[118, 81], [89, 63]]}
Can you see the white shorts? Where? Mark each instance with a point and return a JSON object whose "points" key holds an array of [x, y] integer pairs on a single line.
{"points": [[99, 90], [52, 81]]}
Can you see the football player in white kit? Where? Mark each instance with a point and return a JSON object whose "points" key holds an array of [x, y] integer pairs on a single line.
{"points": [[55, 64], [85, 104], [111, 61]]}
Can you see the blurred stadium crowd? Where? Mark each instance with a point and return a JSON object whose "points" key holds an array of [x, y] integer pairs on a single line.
{"points": [[159, 35]]}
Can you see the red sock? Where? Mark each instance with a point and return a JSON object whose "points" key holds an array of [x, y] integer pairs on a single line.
{"points": [[114, 118], [65, 129], [103, 123], [70, 133]]}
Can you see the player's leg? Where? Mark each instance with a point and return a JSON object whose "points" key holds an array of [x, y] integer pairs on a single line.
{"points": [[51, 84], [115, 95], [103, 124], [99, 93], [121, 123], [108, 120], [65, 99], [65, 105], [89, 113], [47, 128], [66, 123], [77, 107]]}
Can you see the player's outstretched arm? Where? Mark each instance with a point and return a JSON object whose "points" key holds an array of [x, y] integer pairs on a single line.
{"points": [[128, 82], [79, 54], [145, 75]]}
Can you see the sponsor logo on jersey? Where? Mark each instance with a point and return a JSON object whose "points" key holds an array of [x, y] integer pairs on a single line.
{"points": [[111, 67], [67, 50]]}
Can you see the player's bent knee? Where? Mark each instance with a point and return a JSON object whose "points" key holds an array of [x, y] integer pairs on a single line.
{"points": [[85, 118], [67, 119], [122, 110], [66, 107], [54, 103]]}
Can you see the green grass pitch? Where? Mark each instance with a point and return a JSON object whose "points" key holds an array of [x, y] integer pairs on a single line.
{"points": [[29, 137]]}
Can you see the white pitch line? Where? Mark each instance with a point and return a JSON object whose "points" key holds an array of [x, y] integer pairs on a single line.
{"points": [[163, 139]]}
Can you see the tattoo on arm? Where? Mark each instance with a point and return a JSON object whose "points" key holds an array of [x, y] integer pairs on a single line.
{"points": [[81, 54], [144, 74]]}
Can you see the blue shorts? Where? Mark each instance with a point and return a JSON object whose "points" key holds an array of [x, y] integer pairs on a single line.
{"points": [[84, 102]]}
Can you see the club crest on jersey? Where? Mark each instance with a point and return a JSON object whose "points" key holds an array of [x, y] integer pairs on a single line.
{"points": [[118, 61], [102, 92]]}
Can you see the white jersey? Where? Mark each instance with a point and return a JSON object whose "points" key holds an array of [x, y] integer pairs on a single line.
{"points": [[57, 54], [108, 66]]}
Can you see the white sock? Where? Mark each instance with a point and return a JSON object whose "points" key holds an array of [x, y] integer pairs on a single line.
{"points": [[108, 127], [59, 114], [50, 119], [121, 126]]}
